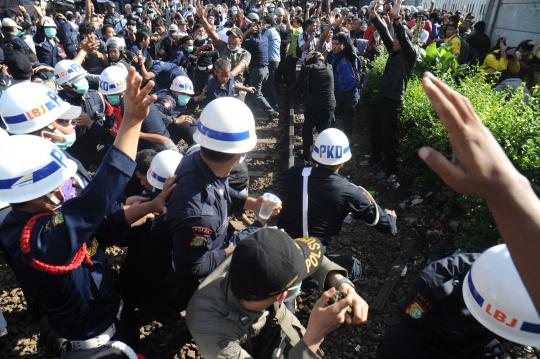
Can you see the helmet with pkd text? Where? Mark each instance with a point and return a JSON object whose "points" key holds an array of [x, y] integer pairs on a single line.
{"points": [[163, 166], [112, 80], [67, 70], [331, 148], [226, 125], [116, 42], [27, 107], [31, 167], [496, 297], [182, 84]]}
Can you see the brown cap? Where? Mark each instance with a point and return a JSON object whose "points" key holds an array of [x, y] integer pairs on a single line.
{"points": [[235, 32]]}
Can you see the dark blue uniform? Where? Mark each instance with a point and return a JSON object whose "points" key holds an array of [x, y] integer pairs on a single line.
{"points": [[154, 124], [48, 53], [434, 321], [198, 217], [331, 197], [84, 302], [215, 90], [68, 37], [165, 73]]}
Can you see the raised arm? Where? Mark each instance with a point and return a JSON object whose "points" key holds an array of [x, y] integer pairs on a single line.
{"points": [[382, 30], [89, 11], [404, 42], [204, 22], [482, 168]]}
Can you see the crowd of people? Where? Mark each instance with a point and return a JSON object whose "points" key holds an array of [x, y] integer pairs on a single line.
{"points": [[95, 100]]}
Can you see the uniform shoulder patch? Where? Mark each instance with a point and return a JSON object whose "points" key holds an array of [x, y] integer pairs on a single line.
{"points": [[415, 310], [200, 236]]}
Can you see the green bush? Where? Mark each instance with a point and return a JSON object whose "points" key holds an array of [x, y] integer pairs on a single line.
{"points": [[513, 122], [371, 84]]}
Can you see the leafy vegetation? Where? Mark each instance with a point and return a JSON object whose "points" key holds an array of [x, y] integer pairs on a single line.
{"points": [[513, 119]]}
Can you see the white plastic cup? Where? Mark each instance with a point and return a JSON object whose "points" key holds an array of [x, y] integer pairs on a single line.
{"points": [[268, 206]]}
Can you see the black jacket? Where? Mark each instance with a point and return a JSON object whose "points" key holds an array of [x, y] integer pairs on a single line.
{"points": [[400, 63], [317, 84]]}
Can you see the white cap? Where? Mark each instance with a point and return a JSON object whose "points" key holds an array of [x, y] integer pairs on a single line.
{"points": [[226, 125], [253, 16], [112, 80], [182, 84], [496, 297], [116, 42], [31, 167], [280, 11], [163, 166], [8, 22], [27, 107], [48, 22], [173, 28], [331, 148]]}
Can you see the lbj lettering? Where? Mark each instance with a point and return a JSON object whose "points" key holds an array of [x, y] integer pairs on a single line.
{"points": [[501, 316]]}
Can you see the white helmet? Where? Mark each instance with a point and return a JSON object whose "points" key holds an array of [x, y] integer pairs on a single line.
{"points": [[331, 147], [182, 84], [31, 167], [226, 125], [48, 22], [67, 70], [163, 166], [496, 297], [116, 42], [112, 80], [253, 16], [27, 107]]}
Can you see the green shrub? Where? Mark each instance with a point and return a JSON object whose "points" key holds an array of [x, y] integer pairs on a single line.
{"points": [[371, 84], [513, 122]]}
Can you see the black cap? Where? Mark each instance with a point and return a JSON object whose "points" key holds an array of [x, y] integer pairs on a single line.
{"points": [[19, 63], [269, 262]]}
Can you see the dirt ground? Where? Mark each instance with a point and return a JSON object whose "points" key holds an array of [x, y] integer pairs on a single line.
{"points": [[419, 222]]}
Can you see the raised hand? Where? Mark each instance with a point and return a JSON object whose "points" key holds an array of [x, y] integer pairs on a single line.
{"points": [[137, 101]]}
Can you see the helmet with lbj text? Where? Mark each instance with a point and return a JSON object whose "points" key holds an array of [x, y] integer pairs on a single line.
{"points": [[28, 107], [496, 297], [112, 80]]}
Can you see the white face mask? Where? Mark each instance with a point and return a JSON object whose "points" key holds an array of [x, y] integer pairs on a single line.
{"points": [[200, 37], [233, 48]]}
